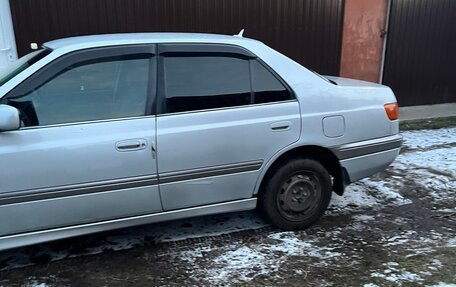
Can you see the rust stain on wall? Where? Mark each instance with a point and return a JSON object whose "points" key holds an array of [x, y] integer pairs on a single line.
{"points": [[361, 42]]}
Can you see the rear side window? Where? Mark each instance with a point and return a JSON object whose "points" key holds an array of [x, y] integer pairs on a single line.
{"points": [[205, 82], [266, 86]]}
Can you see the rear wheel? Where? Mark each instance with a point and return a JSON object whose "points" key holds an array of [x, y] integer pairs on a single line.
{"points": [[297, 194]]}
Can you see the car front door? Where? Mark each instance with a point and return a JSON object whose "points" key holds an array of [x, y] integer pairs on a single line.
{"points": [[222, 115], [85, 152]]}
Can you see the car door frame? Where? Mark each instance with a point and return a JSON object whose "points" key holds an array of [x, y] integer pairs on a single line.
{"points": [[254, 167], [209, 48], [49, 71]]}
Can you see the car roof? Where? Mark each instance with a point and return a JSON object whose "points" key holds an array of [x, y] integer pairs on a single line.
{"points": [[282, 65], [82, 42]]}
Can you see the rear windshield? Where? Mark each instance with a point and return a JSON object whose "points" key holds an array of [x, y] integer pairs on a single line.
{"points": [[22, 64]]}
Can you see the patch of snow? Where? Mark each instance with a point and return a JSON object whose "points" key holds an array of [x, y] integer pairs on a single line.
{"points": [[451, 242], [400, 220], [243, 263], [290, 244], [391, 264], [431, 238], [33, 282], [432, 171], [443, 160], [239, 263], [355, 196], [441, 284], [190, 256], [447, 210], [363, 217], [386, 192], [435, 264], [428, 138], [415, 251], [403, 238], [396, 278], [370, 285]]}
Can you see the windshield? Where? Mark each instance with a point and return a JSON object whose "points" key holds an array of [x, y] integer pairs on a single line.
{"points": [[22, 64]]}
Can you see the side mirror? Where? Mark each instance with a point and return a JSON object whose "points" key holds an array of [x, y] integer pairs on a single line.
{"points": [[9, 118]]}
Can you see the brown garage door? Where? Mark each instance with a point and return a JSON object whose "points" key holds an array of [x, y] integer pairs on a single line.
{"points": [[308, 31], [421, 51]]}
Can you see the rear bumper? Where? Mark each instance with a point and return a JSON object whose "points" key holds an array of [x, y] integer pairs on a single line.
{"points": [[363, 159]]}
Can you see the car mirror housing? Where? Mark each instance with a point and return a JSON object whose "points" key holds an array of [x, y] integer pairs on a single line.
{"points": [[9, 118]]}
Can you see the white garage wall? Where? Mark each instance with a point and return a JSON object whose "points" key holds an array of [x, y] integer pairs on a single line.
{"points": [[8, 52]]}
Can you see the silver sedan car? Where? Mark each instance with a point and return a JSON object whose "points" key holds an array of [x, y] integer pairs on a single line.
{"points": [[109, 131]]}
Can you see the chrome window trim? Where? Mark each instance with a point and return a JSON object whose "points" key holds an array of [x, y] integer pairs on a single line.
{"points": [[226, 108], [84, 123]]}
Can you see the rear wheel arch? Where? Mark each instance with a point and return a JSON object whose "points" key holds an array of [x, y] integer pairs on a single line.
{"points": [[321, 154]]}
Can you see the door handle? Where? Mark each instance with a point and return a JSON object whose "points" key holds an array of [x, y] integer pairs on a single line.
{"points": [[281, 126], [131, 145]]}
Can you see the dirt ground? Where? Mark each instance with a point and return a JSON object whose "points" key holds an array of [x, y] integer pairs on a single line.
{"points": [[396, 228]]}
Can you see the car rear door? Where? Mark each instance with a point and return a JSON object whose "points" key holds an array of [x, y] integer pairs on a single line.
{"points": [[86, 150], [222, 115]]}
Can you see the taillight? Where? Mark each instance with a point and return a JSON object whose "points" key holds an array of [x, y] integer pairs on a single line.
{"points": [[392, 110]]}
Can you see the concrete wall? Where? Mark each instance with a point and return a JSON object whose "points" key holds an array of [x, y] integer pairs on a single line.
{"points": [[362, 45]]}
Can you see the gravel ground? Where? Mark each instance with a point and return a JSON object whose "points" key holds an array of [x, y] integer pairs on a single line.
{"points": [[396, 228]]}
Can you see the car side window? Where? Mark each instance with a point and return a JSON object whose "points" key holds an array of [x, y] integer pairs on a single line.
{"points": [[266, 86], [193, 82], [105, 88]]}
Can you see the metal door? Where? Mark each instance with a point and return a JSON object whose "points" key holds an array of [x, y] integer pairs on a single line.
{"points": [[420, 51], [308, 31]]}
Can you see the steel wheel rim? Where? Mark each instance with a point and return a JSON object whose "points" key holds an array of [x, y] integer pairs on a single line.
{"points": [[299, 196]]}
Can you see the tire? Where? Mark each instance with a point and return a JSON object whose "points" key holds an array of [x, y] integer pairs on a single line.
{"points": [[296, 195]]}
